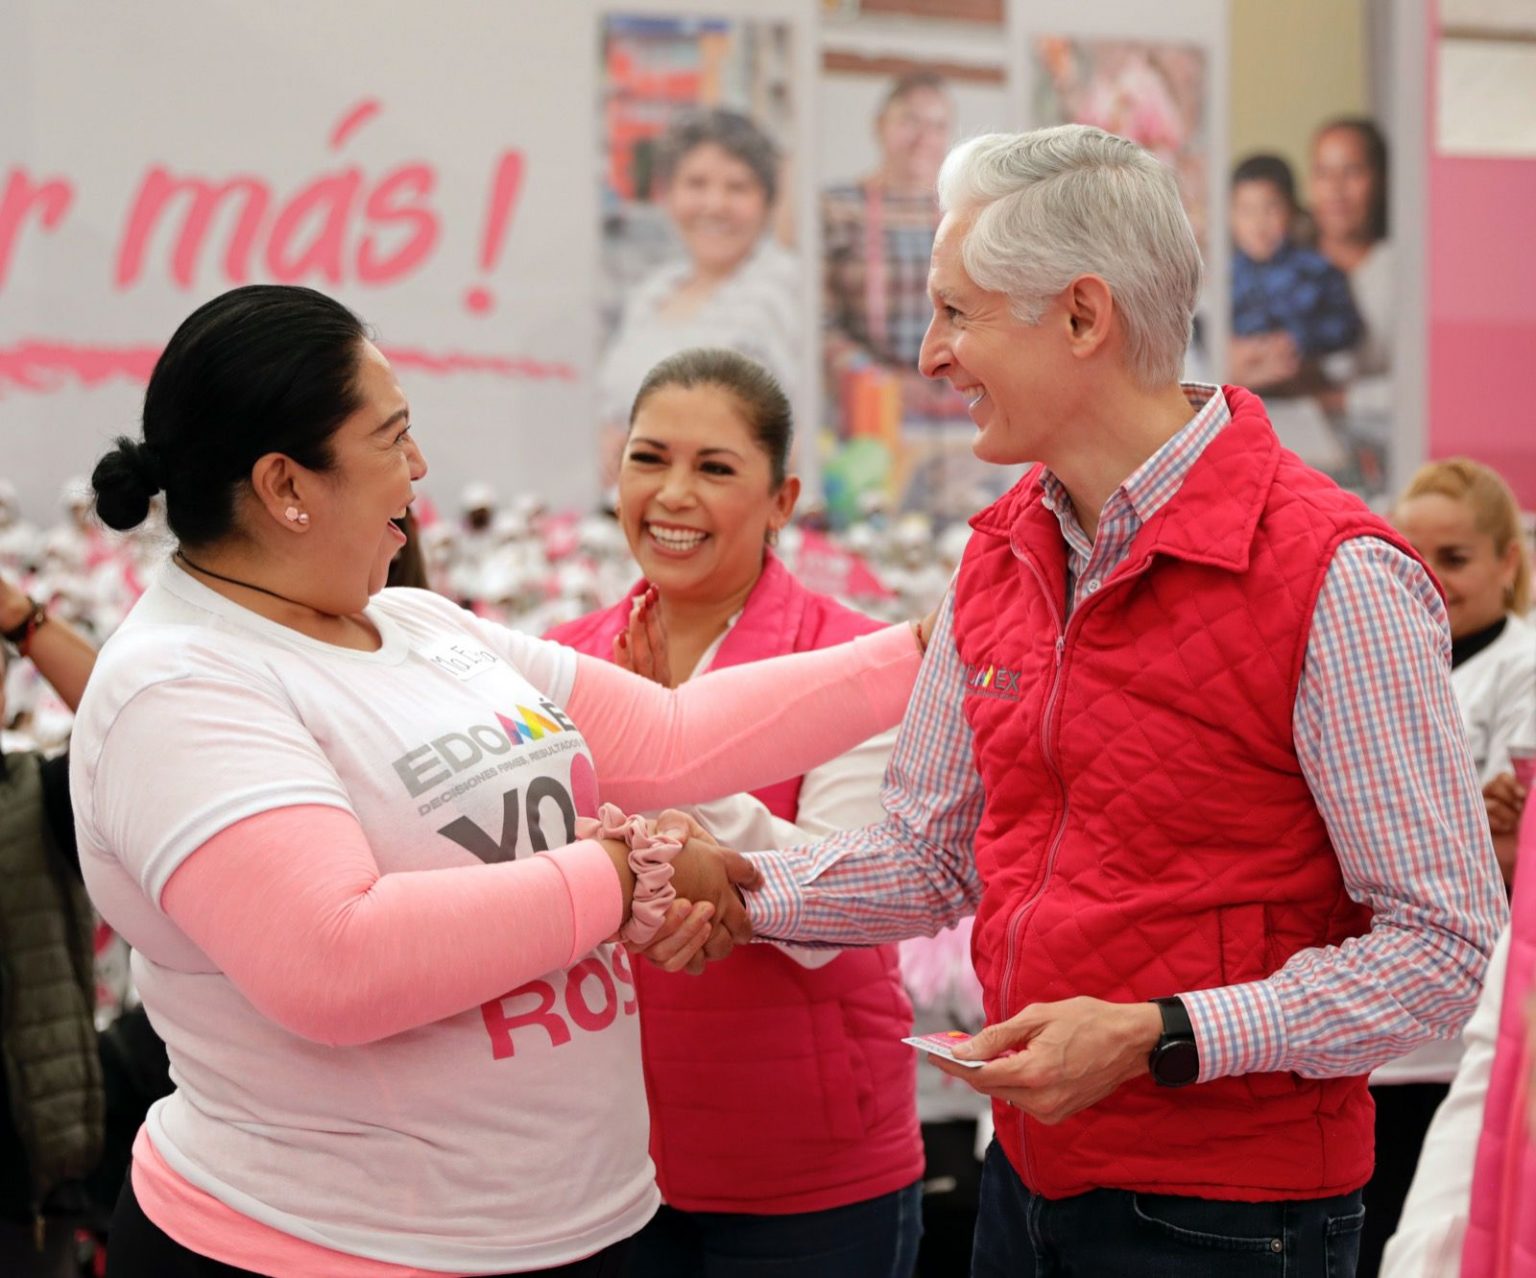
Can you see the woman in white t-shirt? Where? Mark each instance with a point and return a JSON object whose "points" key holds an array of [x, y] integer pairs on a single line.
{"points": [[1463, 520], [352, 835]]}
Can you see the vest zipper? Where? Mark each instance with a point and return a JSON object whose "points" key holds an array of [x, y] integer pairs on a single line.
{"points": [[1016, 920], [1046, 743]]}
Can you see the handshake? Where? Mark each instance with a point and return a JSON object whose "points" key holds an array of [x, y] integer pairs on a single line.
{"points": [[707, 917]]}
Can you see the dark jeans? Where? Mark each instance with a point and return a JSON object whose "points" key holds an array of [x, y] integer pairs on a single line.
{"points": [[139, 1248], [1111, 1233], [1403, 1113], [873, 1239]]}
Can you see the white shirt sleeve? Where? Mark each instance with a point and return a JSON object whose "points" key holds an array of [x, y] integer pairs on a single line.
{"points": [[1433, 1224], [186, 758]]}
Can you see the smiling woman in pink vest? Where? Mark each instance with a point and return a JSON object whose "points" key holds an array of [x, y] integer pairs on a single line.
{"points": [[784, 1123]]}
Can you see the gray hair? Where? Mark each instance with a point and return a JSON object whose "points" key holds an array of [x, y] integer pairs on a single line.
{"points": [[1054, 204], [735, 134]]}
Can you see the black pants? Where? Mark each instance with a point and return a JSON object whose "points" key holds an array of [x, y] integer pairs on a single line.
{"points": [[1403, 1114], [139, 1248]]}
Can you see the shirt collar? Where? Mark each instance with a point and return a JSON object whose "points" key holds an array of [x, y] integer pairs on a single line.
{"points": [[1155, 481]]}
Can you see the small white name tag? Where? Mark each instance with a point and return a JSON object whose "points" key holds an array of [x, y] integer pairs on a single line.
{"points": [[462, 658]]}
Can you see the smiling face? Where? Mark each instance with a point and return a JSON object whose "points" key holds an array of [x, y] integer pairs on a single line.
{"points": [[696, 495], [719, 207], [1013, 374], [1475, 577], [375, 464]]}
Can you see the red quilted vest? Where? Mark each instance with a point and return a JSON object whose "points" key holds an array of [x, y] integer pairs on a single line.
{"points": [[773, 1088], [1148, 829]]}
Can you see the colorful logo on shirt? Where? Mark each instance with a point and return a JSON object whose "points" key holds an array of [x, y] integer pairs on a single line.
{"points": [[988, 680], [530, 725], [441, 759]]}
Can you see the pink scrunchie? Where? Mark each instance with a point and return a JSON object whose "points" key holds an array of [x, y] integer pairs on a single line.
{"points": [[650, 857]]}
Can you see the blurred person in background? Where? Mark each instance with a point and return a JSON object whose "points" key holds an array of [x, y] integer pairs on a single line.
{"points": [[717, 176], [20, 541], [956, 1120], [1462, 519], [877, 235], [1348, 197], [798, 1050], [51, 1097]]}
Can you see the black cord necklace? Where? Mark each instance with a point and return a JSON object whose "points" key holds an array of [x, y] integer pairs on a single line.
{"points": [[233, 581]]}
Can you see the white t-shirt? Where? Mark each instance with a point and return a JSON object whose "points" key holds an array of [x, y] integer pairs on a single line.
{"points": [[1496, 693], [509, 1137]]}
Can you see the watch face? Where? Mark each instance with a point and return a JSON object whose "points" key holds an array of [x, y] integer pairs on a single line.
{"points": [[1176, 1064]]}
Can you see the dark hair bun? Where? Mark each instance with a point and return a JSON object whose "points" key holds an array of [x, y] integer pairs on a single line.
{"points": [[125, 479]]}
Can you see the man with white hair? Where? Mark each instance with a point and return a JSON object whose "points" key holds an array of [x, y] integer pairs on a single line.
{"points": [[1184, 738]]}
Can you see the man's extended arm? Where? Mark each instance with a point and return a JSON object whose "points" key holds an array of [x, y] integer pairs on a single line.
{"points": [[914, 872]]}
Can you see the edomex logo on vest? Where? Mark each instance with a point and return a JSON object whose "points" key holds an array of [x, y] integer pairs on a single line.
{"points": [[986, 680]]}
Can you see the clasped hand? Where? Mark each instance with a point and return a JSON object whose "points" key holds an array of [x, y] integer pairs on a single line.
{"points": [[708, 919]]}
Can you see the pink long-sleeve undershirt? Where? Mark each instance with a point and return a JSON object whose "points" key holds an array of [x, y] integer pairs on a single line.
{"points": [[740, 728], [292, 907]]}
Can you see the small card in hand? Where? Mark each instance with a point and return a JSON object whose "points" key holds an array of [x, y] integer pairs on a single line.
{"points": [[941, 1043]]}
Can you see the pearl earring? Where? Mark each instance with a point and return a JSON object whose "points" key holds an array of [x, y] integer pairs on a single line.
{"points": [[294, 515]]}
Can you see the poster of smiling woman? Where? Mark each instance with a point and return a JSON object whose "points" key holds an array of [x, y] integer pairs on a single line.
{"points": [[702, 241]]}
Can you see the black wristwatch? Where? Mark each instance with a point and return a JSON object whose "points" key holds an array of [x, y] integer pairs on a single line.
{"points": [[1175, 1061]]}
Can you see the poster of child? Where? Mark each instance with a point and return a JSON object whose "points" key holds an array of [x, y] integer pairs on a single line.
{"points": [[1291, 307]]}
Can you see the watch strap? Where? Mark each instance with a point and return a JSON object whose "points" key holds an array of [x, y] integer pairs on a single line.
{"points": [[1176, 1022]]}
